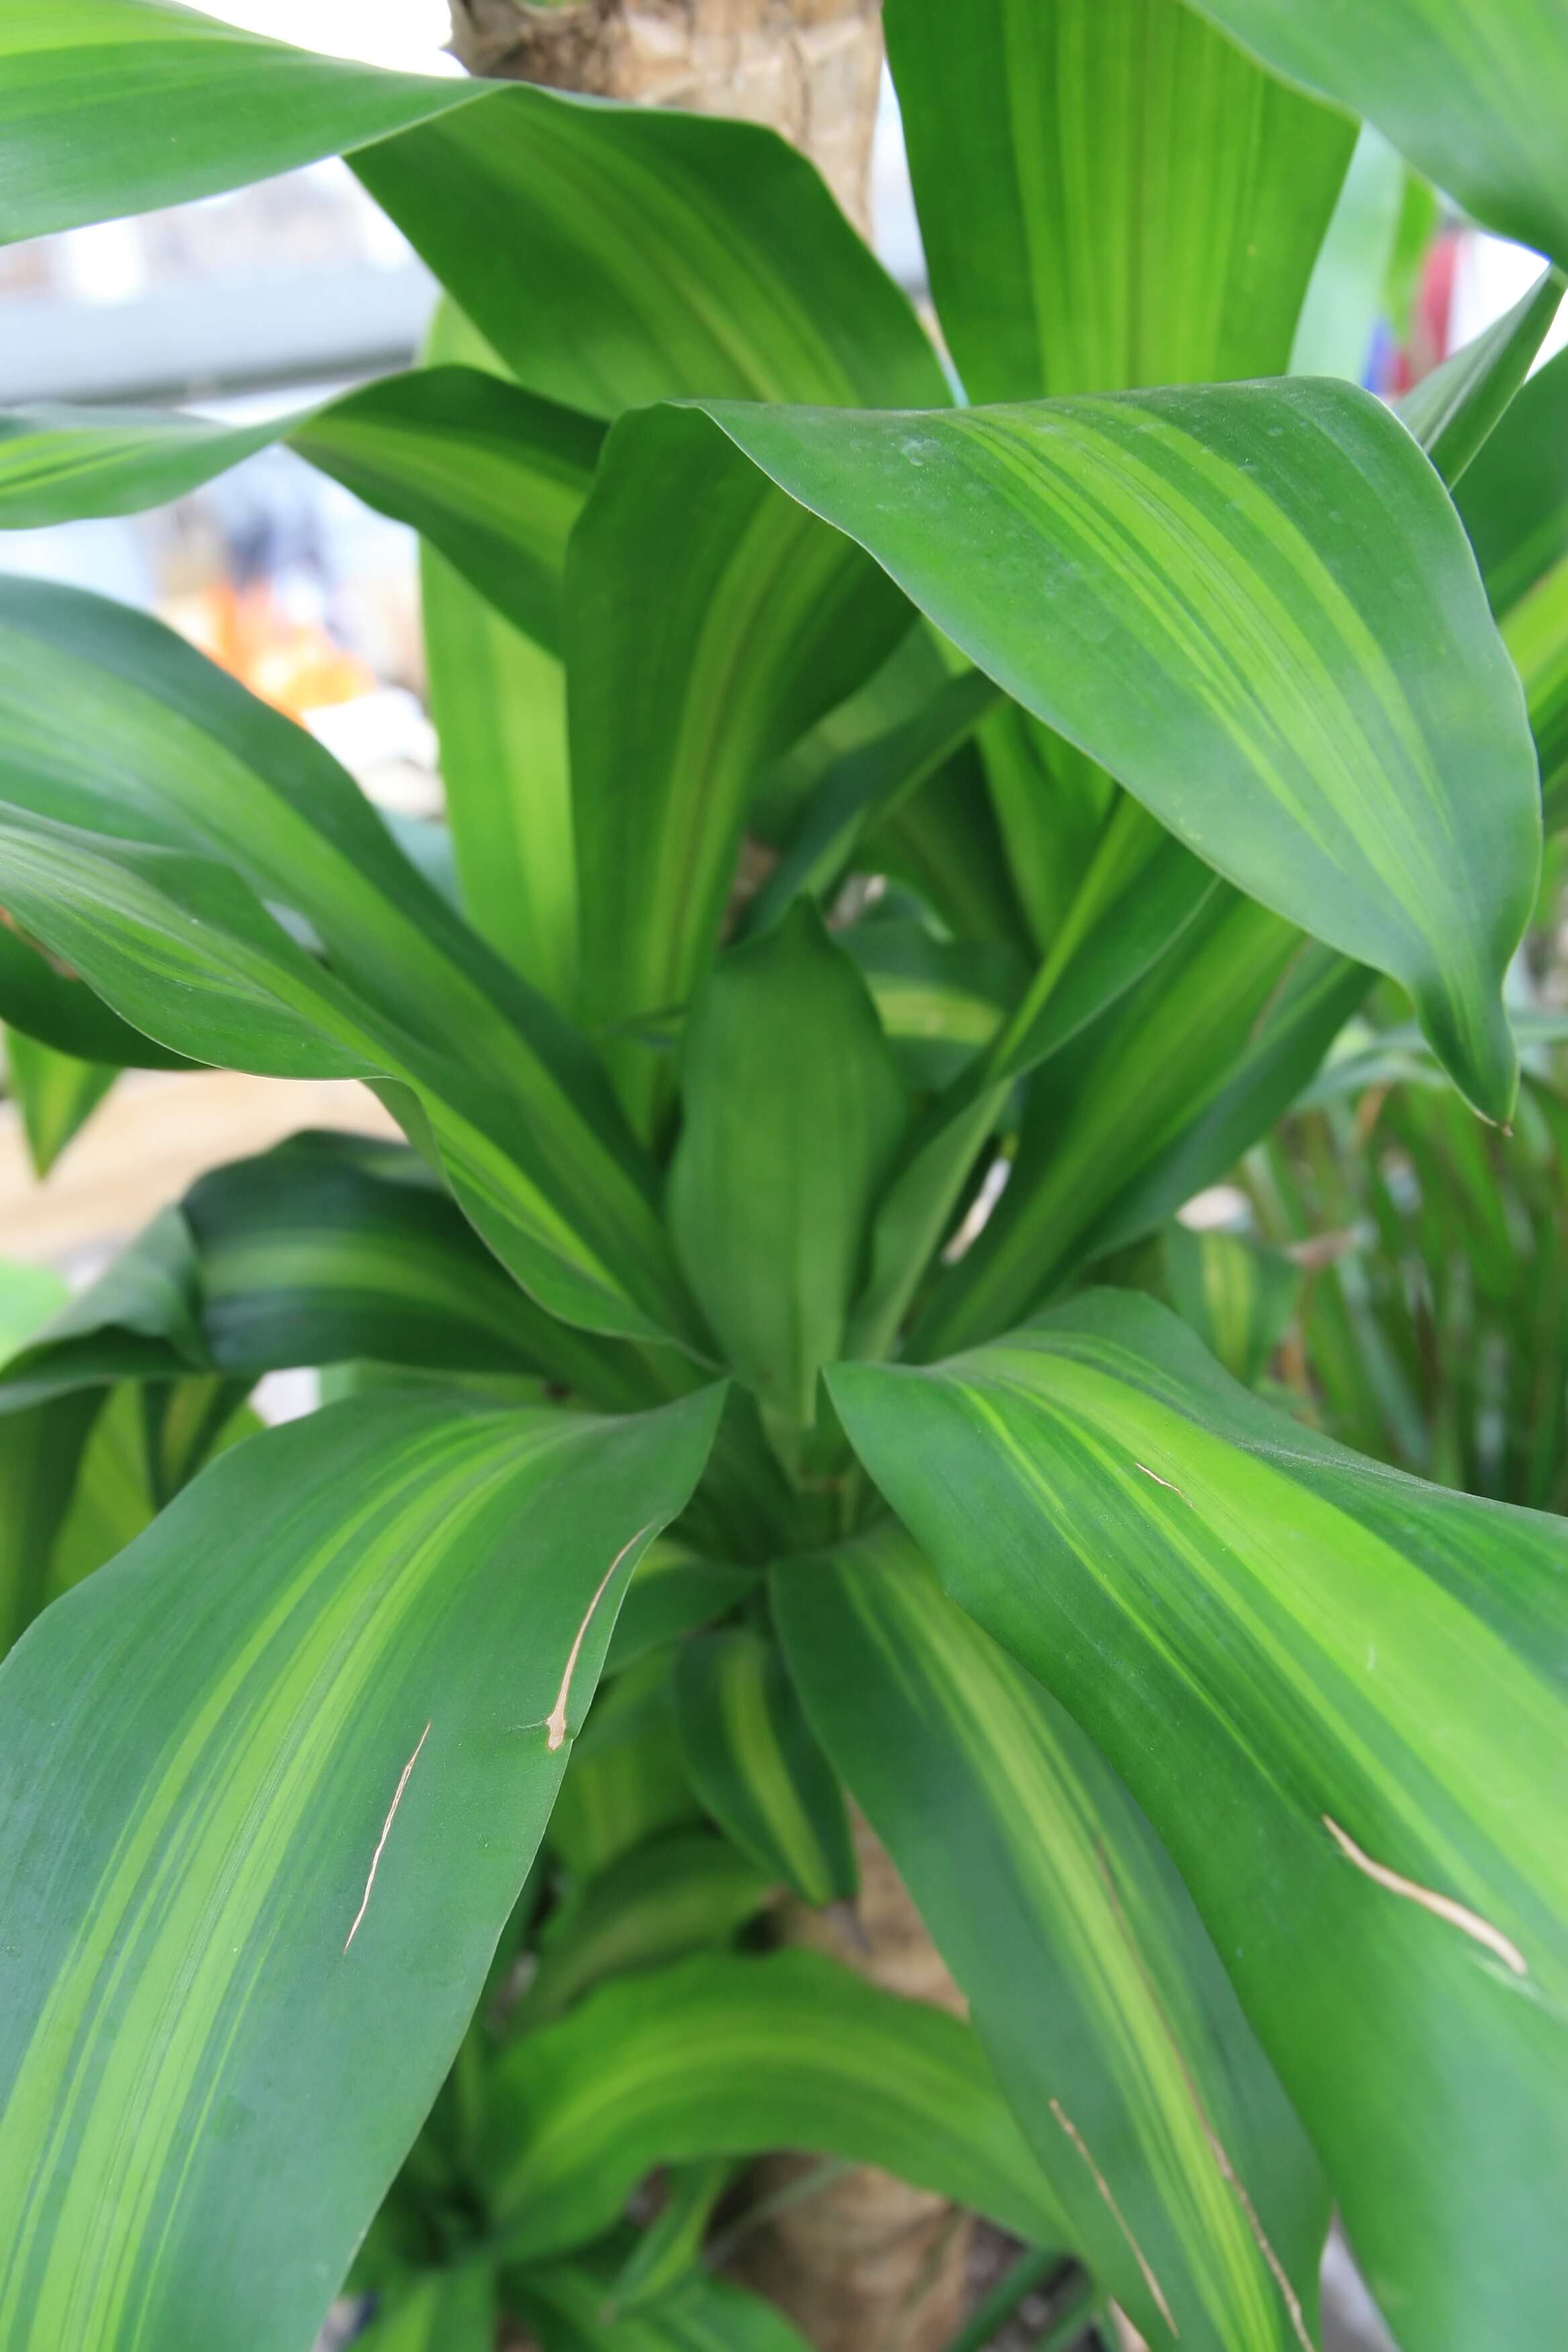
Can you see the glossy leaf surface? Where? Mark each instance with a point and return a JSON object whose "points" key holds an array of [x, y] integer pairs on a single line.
{"points": [[1337, 1695], [1254, 605], [263, 1829]]}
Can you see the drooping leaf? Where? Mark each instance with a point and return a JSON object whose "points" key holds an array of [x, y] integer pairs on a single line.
{"points": [[1113, 2031], [671, 1896], [782, 1044], [756, 1765], [1253, 605], [46, 999], [485, 1073], [490, 474], [723, 2056], [1337, 1694], [1109, 192], [55, 1092], [263, 1827], [1472, 90]]}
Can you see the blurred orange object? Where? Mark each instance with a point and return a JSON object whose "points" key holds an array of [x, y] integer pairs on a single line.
{"points": [[292, 664]]}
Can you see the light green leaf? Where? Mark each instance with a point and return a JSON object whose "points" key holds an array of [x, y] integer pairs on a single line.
{"points": [[1472, 90], [1454, 411], [1253, 603], [628, 1781], [1096, 1993], [1536, 635], [1109, 194], [55, 1092], [302, 1788], [940, 1000], [687, 1892], [45, 999], [756, 1763], [1337, 1694], [781, 1044], [729, 2057], [669, 2250]]}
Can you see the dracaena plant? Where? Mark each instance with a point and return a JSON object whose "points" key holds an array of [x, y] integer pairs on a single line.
{"points": [[860, 789]]}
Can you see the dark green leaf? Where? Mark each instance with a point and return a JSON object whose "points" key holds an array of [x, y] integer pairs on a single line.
{"points": [[687, 1892]]}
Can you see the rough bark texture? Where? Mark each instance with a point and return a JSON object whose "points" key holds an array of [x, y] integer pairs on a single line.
{"points": [[810, 69], [868, 2263]]}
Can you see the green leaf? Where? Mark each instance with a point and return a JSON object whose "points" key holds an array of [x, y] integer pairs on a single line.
{"points": [[629, 1781], [669, 2250], [499, 702], [574, 2308], [687, 1892], [1092, 1986], [1157, 1099], [1344, 296], [490, 474], [756, 1763], [435, 2311], [674, 1590], [1536, 635], [863, 787], [55, 1092], [485, 1073], [1336, 1693], [1109, 195], [1472, 90], [1454, 411], [729, 2057], [1514, 499], [781, 1044], [112, 106], [707, 623], [303, 1788], [1237, 1294], [46, 1000], [1254, 605], [940, 1000]]}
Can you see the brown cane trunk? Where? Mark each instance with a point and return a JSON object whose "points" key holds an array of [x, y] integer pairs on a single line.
{"points": [[810, 69]]}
